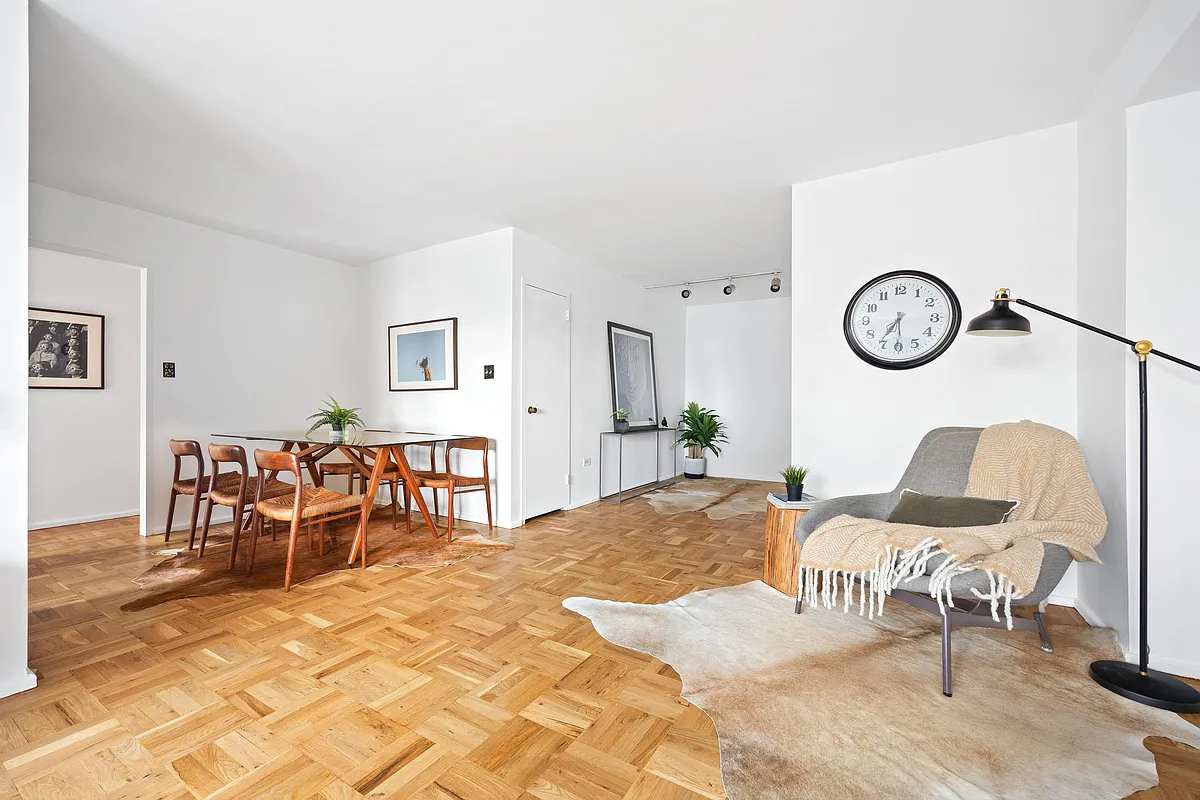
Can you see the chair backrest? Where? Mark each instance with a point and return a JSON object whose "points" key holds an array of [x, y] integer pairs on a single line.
{"points": [[940, 463], [479, 443], [431, 445], [186, 447], [227, 454], [277, 461]]}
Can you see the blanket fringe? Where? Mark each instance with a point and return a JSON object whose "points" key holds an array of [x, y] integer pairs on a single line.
{"points": [[892, 568]]}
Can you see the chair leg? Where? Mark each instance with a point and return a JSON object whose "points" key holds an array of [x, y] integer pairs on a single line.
{"points": [[947, 677], [195, 515], [321, 539], [392, 486], [449, 514], [436, 513], [800, 592], [170, 514], [255, 531], [407, 507], [1042, 632], [272, 529], [207, 518], [487, 496], [291, 557]]}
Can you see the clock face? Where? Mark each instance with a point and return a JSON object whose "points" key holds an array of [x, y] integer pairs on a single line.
{"points": [[902, 320]]}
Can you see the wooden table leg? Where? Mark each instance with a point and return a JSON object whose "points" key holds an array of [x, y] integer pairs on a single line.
{"points": [[360, 536], [410, 480]]}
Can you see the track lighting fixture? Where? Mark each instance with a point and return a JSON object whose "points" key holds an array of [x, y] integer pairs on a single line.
{"points": [[687, 291], [775, 285], [729, 287]]}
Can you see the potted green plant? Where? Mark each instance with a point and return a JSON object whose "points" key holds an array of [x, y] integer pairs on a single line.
{"points": [[794, 477], [620, 420], [337, 418], [699, 429]]}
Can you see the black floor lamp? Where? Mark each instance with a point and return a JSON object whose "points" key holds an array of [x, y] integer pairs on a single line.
{"points": [[1140, 683]]}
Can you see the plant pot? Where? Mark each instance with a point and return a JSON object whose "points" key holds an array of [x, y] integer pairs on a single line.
{"points": [[694, 467], [620, 425], [338, 433], [795, 492]]}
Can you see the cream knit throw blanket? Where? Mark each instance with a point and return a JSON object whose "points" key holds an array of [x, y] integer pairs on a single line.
{"points": [[1039, 466]]}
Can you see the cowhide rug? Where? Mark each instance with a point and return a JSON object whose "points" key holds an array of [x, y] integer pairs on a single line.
{"points": [[831, 705], [718, 498]]}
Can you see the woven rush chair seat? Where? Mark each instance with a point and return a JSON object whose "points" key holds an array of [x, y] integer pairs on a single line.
{"points": [[441, 480], [226, 493], [316, 501], [346, 468], [188, 485]]}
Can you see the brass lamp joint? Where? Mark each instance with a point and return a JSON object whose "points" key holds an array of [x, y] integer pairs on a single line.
{"points": [[1142, 348]]}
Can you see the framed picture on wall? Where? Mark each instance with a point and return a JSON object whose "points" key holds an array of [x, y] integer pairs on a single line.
{"points": [[631, 370], [423, 356], [66, 350]]}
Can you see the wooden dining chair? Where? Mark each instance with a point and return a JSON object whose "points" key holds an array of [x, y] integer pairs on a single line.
{"points": [[234, 490], [391, 477], [304, 506], [454, 483], [196, 488], [428, 472]]}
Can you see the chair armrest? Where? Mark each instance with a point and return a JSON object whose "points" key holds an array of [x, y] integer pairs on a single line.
{"points": [[866, 506]]}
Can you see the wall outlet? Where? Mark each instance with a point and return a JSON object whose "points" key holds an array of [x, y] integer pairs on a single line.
{"points": [[587, 462], [168, 369], [489, 371]]}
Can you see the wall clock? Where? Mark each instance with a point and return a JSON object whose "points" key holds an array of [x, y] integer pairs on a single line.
{"points": [[902, 319]]}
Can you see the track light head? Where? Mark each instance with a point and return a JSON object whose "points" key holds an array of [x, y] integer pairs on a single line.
{"points": [[775, 284], [729, 287], [687, 291]]}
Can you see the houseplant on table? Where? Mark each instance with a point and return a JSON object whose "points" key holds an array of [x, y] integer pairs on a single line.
{"points": [[699, 429], [337, 418], [794, 477], [620, 420]]}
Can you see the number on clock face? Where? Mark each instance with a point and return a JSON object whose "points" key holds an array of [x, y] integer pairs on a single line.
{"points": [[902, 319]]}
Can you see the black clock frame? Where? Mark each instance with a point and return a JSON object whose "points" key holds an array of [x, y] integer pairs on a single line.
{"points": [[925, 358]]}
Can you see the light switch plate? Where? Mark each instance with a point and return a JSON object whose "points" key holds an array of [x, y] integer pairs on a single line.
{"points": [[489, 371], [168, 369]]}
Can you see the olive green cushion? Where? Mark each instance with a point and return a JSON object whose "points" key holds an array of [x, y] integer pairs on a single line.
{"points": [[933, 511]]}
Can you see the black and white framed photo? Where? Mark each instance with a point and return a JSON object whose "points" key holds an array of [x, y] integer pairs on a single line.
{"points": [[66, 350], [423, 356], [631, 369]]}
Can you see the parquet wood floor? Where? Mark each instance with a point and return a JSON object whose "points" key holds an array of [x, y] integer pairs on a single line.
{"points": [[466, 682]]}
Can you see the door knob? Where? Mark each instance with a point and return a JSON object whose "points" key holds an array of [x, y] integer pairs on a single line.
{"points": [[533, 409]]}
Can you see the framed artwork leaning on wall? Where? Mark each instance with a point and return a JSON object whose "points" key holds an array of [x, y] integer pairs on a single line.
{"points": [[631, 373], [423, 356], [66, 350]]}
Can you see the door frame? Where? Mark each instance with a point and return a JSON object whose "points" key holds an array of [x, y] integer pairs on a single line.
{"points": [[523, 404]]}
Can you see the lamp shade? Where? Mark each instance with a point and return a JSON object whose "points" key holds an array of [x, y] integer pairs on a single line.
{"points": [[999, 320]]}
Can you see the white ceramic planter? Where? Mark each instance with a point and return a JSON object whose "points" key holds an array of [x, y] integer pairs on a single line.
{"points": [[694, 467]]}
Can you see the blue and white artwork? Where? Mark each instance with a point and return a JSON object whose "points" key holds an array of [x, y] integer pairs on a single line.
{"points": [[423, 355]]}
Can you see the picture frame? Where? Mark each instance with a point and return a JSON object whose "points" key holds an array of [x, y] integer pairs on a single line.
{"points": [[66, 349], [423, 356], [632, 375]]}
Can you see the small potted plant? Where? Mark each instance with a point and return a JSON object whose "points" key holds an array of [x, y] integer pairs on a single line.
{"points": [[699, 429], [620, 420], [337, 418], [794, 477]]}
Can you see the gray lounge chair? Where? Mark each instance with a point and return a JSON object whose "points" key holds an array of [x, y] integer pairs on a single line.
{"points": [[940, 466]]}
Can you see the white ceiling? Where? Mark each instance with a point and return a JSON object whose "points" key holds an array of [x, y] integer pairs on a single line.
{"points": [[655, 139]]}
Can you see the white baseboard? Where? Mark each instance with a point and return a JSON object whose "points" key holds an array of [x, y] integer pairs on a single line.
{"points": [[1089, 616], [1061, 600], [58, 523], [18, 683]]}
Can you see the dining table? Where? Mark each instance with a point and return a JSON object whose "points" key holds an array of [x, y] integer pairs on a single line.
{"points": [[381, 447]]}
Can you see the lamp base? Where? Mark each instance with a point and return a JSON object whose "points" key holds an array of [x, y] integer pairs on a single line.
{"points": [[1154, 688]]}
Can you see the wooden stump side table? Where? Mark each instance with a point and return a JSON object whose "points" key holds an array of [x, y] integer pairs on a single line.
{"points": [[781, 552]]}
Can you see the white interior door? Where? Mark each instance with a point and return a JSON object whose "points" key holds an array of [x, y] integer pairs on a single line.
{"points": [[546, 430]]}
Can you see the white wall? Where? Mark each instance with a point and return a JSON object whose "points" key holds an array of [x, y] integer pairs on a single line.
{"points": [[14, 219], [246, 323], [101, 430], [1163, 280], [470, 279], [1001, 213], [598, 297], [739, 364]]}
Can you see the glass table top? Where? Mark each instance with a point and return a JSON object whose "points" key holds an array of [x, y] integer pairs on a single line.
{"points": [[351, 438]]}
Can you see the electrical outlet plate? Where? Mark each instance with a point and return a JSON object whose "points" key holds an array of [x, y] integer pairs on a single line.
{"points": [[587, 462]]}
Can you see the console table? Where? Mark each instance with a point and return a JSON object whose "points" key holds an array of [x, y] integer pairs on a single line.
{"points": [[622, 494]]}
